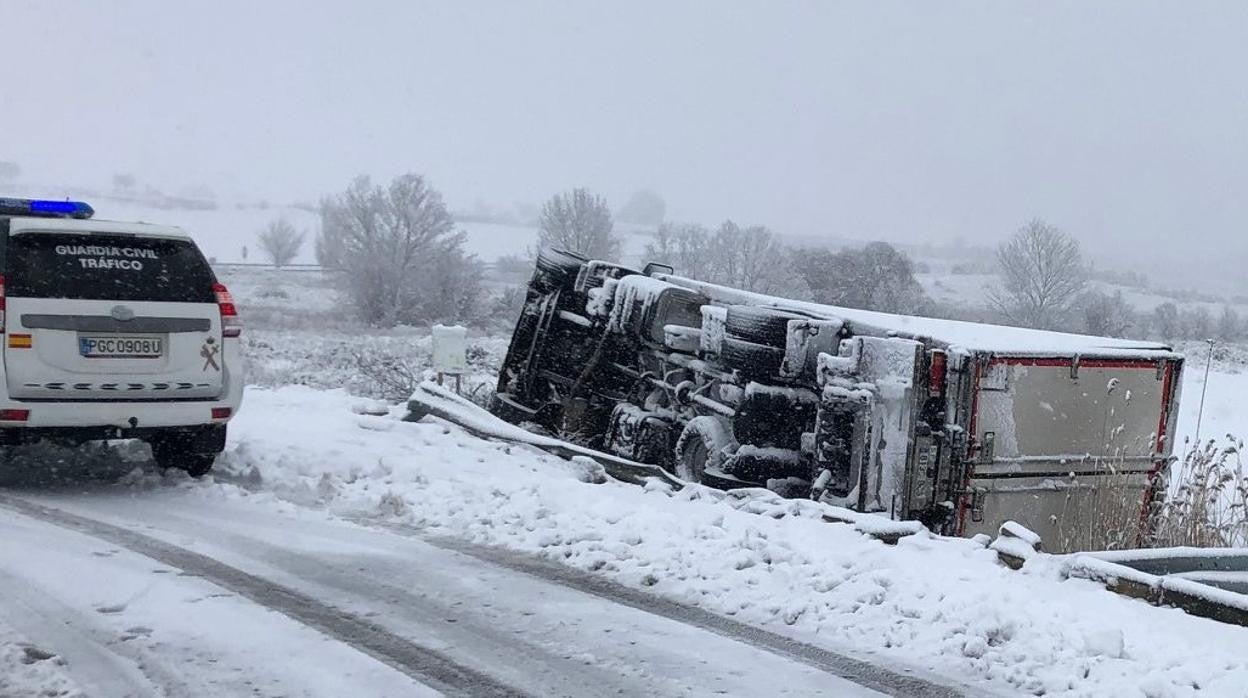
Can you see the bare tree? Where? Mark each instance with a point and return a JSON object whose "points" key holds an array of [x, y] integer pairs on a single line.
{"points": [[124, 181], [1166, 321], [1197, 323], [281, 242], [874, 277], [643, 208], [1229, 326], [1105, 315], [752, 259], [580, 222], [402, 259], [1042, 274], [685, 246]]}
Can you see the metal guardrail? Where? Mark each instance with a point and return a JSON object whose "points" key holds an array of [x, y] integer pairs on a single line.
{"points": [[1206, 582]]}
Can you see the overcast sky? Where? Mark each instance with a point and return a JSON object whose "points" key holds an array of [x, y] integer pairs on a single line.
{"points": [[1124, 123]]}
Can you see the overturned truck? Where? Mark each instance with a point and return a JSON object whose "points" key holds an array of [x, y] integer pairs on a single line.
{"points": [[962, 426]]}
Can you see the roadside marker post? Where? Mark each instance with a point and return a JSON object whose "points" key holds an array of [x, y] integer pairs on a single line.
{"points": [[450, 353]]}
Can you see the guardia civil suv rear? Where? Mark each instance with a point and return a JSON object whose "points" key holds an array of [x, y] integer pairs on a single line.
{"points": [[113, 331]]}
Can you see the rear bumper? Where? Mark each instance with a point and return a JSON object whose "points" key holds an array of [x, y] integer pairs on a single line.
{"points": [[116, 415], [208, 438], [138, 416]]}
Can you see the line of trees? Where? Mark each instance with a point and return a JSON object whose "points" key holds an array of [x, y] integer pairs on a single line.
{"points": [[406, 263], [751, 258]]}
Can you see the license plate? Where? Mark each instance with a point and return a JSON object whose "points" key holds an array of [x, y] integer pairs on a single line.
{"points": [[114, 347]]}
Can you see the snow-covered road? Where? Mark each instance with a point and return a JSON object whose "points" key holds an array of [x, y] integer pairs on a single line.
{"points": [[123, 624], [336, 552], [164, 592]]}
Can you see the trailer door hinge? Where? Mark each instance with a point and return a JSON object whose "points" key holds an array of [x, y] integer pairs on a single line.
{"points": [[988, 448]]}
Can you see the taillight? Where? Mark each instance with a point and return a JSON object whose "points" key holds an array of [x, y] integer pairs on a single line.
{"points": [[221, 413], [936, 374], [14, 415], [2, 304], [231, 323]]}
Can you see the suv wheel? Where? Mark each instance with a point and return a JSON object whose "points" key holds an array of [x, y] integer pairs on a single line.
{"points": [[195, 464], [191, 450]]}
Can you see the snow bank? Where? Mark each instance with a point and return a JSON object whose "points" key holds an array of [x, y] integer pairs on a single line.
{"points": [[946, 605]]}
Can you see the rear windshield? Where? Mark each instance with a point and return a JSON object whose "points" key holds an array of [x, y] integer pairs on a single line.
{"points": [[107, 267]]}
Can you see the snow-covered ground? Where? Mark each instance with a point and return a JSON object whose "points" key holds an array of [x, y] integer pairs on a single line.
{"points": [[932, 607], [947, 606]]}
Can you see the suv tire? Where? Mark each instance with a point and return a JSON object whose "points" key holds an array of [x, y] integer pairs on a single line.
{"points": [[192, 450], [195, 464]]}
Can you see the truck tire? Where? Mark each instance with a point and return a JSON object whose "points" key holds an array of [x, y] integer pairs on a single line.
{"points": [[750, 359], [557, 268], [704, 443], [766, 326]]}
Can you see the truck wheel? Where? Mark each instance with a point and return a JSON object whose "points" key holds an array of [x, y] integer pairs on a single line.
{"points": [[704, 443], [766, 326], [750, 359], [756, 464], [557, 268]]}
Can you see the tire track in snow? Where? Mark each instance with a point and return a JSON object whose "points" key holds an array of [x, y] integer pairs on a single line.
{"points": [[420, 663], [857, 671]]}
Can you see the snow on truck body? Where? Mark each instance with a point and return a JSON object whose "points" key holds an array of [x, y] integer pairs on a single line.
{"points": [[960, 425]]}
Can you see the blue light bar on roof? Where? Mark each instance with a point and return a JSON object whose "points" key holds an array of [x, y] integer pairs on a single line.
{"points": [[45, 208]]}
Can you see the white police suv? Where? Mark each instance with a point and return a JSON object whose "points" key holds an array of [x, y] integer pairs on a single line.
{"points": [[113, 331]]}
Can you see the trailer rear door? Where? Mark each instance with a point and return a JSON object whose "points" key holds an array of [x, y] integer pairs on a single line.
{"points": [[1066, 446]]}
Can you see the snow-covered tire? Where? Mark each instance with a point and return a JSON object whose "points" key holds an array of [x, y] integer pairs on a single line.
{"points": [[750, 359], [704, 443], [755, 464], [557, 268], [766, 326]]}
